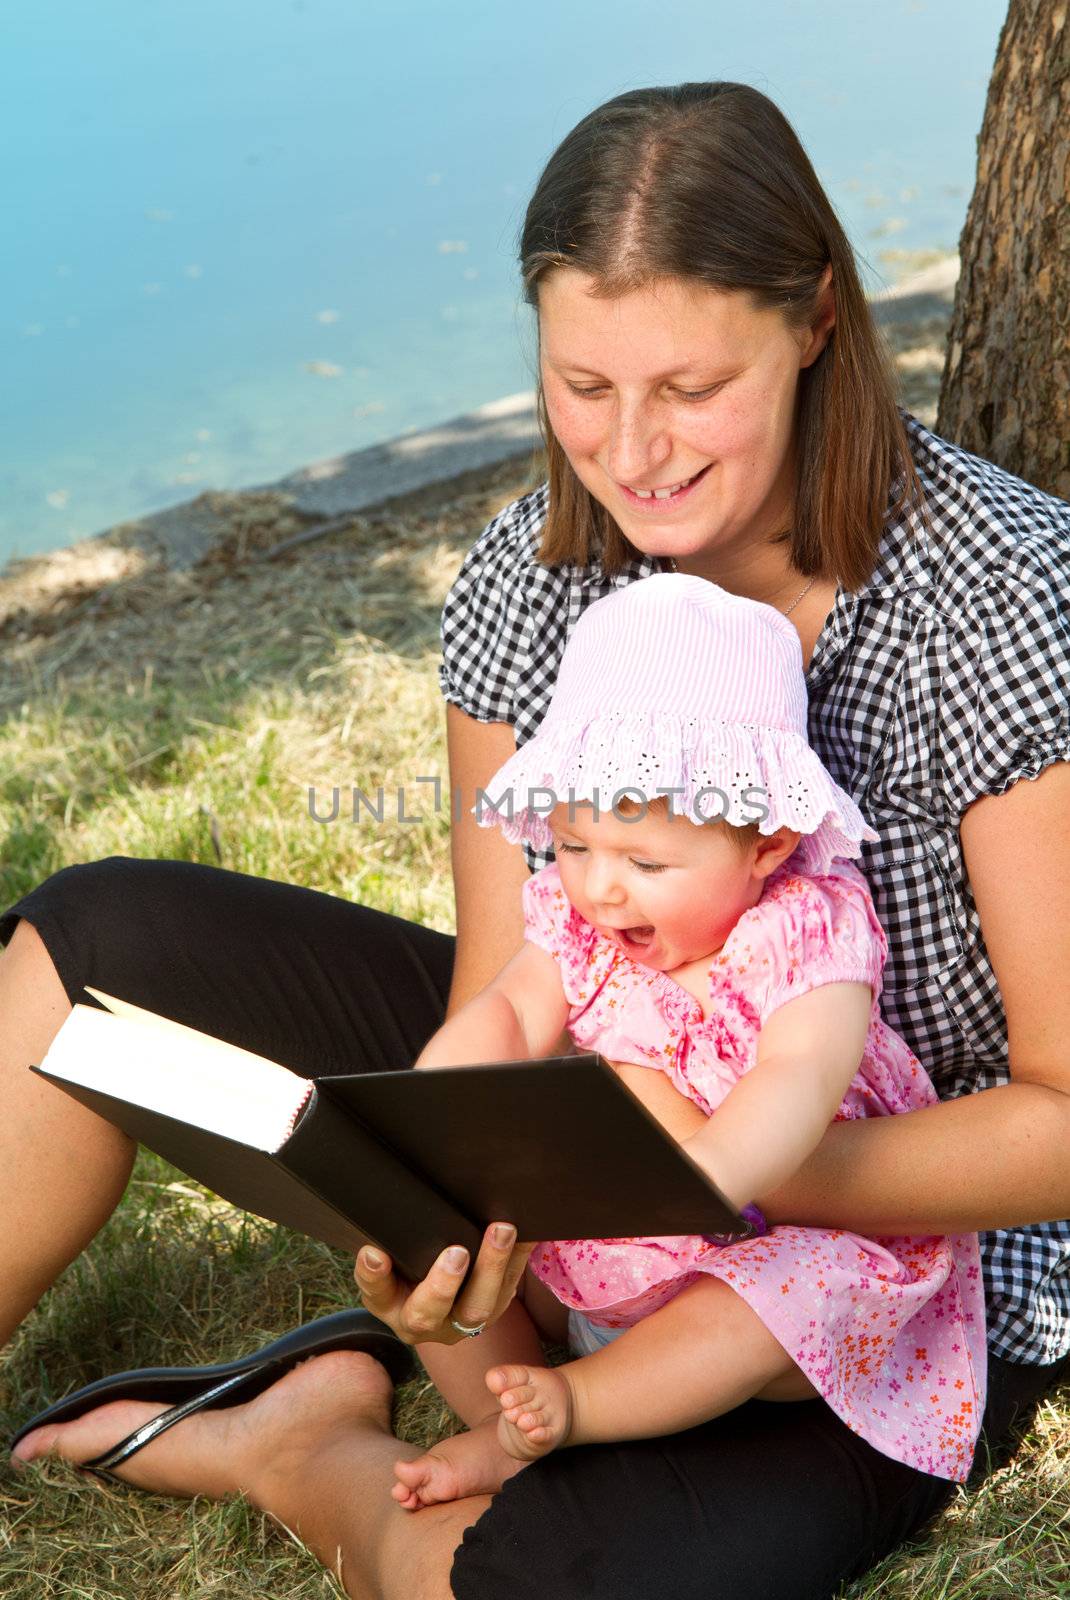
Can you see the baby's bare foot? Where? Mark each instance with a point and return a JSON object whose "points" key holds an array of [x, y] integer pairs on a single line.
{"points": [[469, 1463], [537, 1409]]}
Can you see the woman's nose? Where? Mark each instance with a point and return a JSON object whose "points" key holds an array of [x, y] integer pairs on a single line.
{"points": [[639, 443]]}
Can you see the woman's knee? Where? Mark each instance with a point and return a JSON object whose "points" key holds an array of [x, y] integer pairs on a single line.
{"points": [[97, 919], [84, 881], [33, 995], [25, 946]]}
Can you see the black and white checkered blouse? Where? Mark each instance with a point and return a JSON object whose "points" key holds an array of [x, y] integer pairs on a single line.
{"points": [[945, 678]]}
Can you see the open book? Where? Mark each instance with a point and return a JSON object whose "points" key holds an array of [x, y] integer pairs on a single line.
{"points": [[410, 1161]]}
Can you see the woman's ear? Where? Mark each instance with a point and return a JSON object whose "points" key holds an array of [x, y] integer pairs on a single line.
{"points": [[824, 320]]}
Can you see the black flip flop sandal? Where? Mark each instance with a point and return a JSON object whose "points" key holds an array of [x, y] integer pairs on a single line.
{"points": [[192, 1389]]}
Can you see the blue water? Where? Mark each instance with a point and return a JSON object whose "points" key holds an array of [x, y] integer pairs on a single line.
{"points": [[245, 234]]}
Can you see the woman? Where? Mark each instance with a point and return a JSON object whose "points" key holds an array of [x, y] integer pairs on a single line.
{"points": [[715, 401]]}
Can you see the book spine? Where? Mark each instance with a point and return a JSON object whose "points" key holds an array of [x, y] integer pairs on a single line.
{"points": [[333, 1153]]}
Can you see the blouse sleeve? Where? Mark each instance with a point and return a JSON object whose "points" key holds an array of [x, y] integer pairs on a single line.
{"points": [[486, 619], [1006, 706], [817, 930], [547, 911]]}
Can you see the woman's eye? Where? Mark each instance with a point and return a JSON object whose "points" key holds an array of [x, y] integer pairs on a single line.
{"points": [[595, 392]]}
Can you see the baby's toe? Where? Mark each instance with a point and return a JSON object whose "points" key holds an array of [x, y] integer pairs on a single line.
{"points": [[533, 1404], [520, 1395], [498, 1379]]}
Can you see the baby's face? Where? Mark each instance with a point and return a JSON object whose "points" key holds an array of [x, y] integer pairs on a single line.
{"points": [[666, 890]]}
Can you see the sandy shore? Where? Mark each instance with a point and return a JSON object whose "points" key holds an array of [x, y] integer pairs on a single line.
{"points": [[219, 533]]}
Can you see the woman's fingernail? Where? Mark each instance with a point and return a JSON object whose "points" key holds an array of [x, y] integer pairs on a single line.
{"points": [[456, 1258], [373, 1261], [504, 1235]]}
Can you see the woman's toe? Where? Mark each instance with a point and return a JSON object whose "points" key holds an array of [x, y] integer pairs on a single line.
{"points": [[37, 1443], [88, 1436]]}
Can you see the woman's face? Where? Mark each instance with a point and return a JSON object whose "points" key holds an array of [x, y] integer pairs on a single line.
{"points": [[677, 384]]}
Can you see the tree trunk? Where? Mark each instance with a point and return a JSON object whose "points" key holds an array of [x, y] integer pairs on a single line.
{"points": [[1005, 393]]}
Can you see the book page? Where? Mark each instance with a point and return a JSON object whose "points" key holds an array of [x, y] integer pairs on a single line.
{"points": [[166, 1067]]}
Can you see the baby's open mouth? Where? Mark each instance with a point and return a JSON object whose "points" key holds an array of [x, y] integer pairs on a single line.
{"points": [[637, 937]]}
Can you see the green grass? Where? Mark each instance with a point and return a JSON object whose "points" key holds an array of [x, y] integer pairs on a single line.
{"points": [[187, 717]]}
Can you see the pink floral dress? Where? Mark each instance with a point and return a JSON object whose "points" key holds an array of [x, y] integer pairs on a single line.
{"points": [[890, 1331]]}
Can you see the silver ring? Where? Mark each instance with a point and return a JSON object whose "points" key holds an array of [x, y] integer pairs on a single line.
{"points": [[469, 1333]]}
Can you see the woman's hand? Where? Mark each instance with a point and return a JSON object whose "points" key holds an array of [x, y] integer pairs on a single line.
{"points": [[422, 1314]]}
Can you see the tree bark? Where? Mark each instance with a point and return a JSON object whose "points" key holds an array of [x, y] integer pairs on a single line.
{"points": [[1005, 392]]}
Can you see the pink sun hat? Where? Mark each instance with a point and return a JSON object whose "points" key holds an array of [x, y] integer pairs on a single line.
{"points": [[673, 685]]}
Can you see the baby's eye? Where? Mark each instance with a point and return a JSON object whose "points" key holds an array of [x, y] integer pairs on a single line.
{"points": [[563, 849], [649, 866]]}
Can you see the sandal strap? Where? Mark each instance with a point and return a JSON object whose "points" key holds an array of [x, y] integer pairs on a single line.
{"points": [[104, 1464]]}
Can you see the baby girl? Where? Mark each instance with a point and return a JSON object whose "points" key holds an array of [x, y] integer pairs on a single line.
{"points": [[704, 929]]}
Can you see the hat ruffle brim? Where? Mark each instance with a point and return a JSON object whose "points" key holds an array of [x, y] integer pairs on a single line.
{"points": [[743, 773]]}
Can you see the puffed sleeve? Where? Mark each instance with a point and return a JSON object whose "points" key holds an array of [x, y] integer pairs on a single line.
{"points": [[1005, 710], [547, 911], [813, 931], [486, 619]]}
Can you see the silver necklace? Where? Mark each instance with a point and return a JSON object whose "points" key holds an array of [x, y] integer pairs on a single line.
{"points": [[674, 568]]}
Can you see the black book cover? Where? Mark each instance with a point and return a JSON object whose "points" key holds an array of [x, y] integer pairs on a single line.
{"points": [[416, 1160]]}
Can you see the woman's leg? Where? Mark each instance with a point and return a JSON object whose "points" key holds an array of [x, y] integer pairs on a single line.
{"points": [[768, 1502], [305, 979], [765, 1503], [315, 1452], [63, 1169]]}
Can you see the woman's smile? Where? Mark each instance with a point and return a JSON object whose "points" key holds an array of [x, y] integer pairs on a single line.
{"points": [[663, 502]]}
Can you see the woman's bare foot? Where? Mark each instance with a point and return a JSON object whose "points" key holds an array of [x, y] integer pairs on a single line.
{"points": [[241, 1449], [469, 1463], [538, 1406]]}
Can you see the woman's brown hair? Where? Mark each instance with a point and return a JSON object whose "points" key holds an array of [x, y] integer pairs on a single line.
{"points": [[708, 182]]}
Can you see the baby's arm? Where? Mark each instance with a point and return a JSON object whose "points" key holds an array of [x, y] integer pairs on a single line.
{"points": [[519, 1015], [808, 1052]]}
